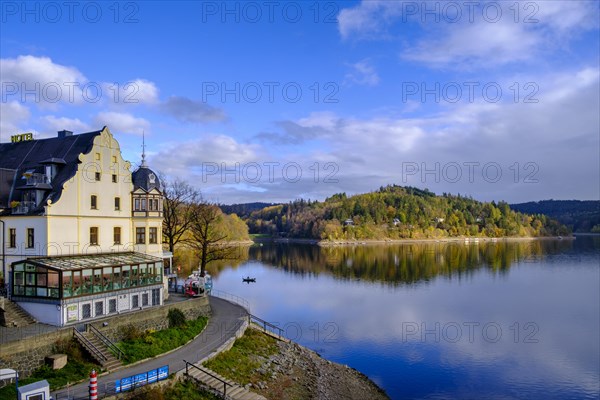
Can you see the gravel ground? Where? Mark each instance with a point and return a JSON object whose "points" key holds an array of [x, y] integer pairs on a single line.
{"points": [[298, 373]]}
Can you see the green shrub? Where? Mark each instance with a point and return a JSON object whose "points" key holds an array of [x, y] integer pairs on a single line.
{"points": [[130, 332], [176, 317]]}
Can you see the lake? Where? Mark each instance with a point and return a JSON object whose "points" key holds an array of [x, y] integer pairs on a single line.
{"points": [[439, 320]]}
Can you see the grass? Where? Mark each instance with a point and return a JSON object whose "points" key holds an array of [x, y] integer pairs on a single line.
{"points": [[74, 371], [151, 344], [180, 390], [247, 354]]}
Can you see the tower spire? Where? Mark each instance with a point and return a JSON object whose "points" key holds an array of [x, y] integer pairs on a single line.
{"points": [[144, 149]]}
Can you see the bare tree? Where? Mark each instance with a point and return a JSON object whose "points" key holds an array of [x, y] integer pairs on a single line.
{"points": [[205, 237], [179, 197]]}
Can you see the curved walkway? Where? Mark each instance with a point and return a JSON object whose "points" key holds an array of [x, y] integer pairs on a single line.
{"points": [[225, 319]]}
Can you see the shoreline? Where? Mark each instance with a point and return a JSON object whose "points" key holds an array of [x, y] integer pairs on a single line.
{"points": [[366, 242]]}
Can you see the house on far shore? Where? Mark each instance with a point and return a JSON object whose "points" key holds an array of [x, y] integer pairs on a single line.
{"points": [[349, 222], [81, 234]]}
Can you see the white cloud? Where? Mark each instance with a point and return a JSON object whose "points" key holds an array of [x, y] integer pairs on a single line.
{"points": [[477, 38], [186, 159], [55, 84], [478, 43], [13, 117], [122, 123], [137, 91], [362, 73], [558, 136], [53, 123], [368, 18], [42, 70]]}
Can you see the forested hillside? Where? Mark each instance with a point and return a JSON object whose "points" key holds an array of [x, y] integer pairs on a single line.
{"points": [[243, 210], [580, 216], [397, 212]]}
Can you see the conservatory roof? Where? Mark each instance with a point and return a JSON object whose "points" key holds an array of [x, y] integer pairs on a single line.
{"points": [[76, 262]]}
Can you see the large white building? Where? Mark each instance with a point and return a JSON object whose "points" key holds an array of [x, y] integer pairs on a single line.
{"points": [[81, 235]]}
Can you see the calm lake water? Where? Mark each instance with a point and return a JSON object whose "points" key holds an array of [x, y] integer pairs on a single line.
{"points": [[442, 320]]}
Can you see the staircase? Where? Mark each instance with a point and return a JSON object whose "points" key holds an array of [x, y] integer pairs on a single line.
{"points": [[210, 378], [99, 347], [14, 315]]}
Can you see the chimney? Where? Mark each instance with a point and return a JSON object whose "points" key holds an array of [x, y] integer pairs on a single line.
{"points": [[63, 134]]}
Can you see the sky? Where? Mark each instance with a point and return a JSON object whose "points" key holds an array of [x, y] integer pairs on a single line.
{"points": [[277, 100]]}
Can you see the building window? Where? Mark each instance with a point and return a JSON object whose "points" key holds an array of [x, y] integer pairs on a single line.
{"points": [[144, 299], [114, 159], [30, 238], [143, 204], [112, 306], [94, 202], [97, 156], [117, 234], [97, 175], [94, 236], [86, 311], [137, 204], [114, 178], [12, 237], [99, 306], [117, 203], [135, 302], [153, 235], [140, 235]]}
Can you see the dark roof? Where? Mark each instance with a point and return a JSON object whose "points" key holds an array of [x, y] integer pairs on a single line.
{"points": [[20, 157], [145, 178]]}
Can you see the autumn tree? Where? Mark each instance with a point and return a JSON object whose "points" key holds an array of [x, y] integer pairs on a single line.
{"points": [[179, 197], [206, 237]]}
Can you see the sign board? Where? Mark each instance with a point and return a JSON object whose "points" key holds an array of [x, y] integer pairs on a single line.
{"points": [[72, 313], [23, 137], [163, 372], [155, 375]]}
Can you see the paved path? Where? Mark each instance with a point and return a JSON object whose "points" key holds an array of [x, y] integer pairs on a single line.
{"points": [[225, 320]]}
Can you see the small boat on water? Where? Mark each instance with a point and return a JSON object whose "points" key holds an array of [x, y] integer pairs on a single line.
{"points": [[248, 279]]}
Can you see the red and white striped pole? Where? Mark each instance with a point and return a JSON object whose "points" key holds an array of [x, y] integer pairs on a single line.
{"points": [[93, 385]]}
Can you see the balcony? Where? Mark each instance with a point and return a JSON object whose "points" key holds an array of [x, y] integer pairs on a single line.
{"points": [[35, 179], [23, 207]]}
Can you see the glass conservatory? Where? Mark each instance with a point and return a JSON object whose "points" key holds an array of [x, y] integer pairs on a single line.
{"points": [[82, 280]]}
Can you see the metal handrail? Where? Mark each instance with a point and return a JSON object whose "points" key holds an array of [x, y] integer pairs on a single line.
{"points": [[88, 343], [265, 324], [231, 297], [107, 342], [225, 383]]}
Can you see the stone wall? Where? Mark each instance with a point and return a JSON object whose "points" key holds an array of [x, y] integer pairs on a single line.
{"points": [[27, 354], [154, 318]]}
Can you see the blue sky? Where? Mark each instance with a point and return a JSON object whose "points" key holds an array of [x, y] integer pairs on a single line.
{"points": [[272, 101]]}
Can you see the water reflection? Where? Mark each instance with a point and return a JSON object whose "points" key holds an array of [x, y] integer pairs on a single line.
{"points": [[371, 306], [401, 263]]}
